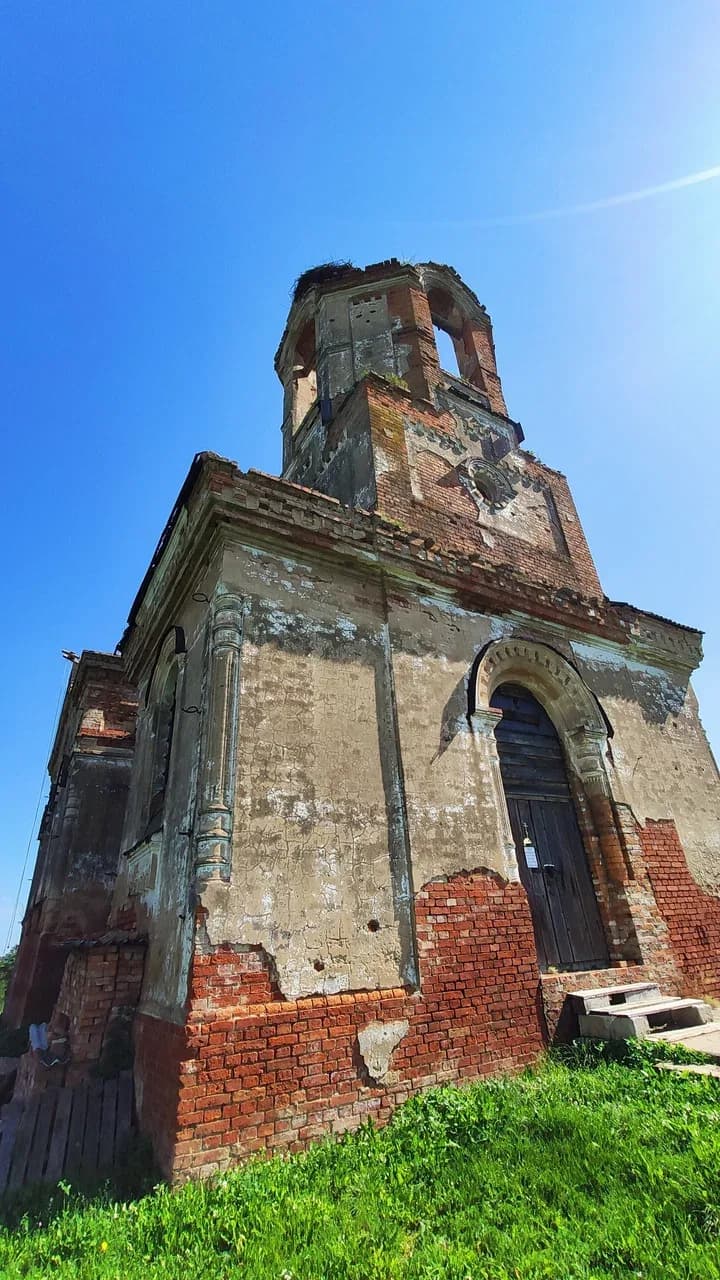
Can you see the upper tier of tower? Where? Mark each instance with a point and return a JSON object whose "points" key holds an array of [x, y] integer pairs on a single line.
{"points": [[373, 419], [346, 322]]}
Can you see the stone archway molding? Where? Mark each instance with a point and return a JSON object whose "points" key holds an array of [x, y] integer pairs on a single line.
{"points": [[577, 716], [560, 689]]}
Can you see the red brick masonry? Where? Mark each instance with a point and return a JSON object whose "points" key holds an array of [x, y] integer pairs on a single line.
{"points": [[692, 916], [254, 1072], [101, 983]]}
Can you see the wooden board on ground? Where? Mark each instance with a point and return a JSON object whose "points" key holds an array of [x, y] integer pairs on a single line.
{"points": [[9, 1124], [23, 1143], [65, 1133], [41, 1137], [107, 1125], [59, 1137]]}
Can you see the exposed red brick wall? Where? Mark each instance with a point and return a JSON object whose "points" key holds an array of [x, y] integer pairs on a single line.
{"points": [[40, 963], [160, 1050], [318, 520], [453, 524], [692, 916], [108, 711], [99, 985], [259, 1072]]}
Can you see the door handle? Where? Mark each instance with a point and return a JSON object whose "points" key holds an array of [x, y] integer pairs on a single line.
{"points": [[549, 866]]}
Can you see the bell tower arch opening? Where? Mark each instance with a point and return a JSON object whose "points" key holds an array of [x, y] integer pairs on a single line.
{"points": [[448, 326]]}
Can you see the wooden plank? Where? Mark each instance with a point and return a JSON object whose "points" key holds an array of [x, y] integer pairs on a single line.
{"points": [[73, 1159], [23, 1143], [91, 1143], [11, 1115], [107, 1124], [551, 857], [59, 1137], [41, 1137], [124, 1111], [581, 905], [532, 879], [564, 856]]}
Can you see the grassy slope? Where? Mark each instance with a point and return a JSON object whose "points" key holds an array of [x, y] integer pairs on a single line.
{"points": [[606, 1171]]}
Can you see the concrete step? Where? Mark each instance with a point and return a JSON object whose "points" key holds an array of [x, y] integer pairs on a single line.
{"points": [[602, 998], [644, 1018], [692, 1068], [703, 1039], [669, 1003]]}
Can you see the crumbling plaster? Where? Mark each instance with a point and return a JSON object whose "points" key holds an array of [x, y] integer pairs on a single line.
{"points": [[377, 1042], [318, 876], [662, 763], [453, 817], [156, 870], [359, 775]]}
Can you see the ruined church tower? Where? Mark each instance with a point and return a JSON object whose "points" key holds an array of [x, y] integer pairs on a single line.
{"points": [[401, 778]]}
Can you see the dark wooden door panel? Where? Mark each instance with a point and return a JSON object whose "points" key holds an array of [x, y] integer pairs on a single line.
{"points": [[551, 855], [578, 891], [534, 884]]}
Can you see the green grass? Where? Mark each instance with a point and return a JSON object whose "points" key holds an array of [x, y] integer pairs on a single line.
{"points": [[584, 1167], [6, 967]]}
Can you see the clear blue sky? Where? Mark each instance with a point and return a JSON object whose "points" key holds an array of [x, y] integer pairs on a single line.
{"points": [[169, 168]]}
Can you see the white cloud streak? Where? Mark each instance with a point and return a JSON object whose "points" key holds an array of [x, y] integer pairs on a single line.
{"points": [[592, 206]]}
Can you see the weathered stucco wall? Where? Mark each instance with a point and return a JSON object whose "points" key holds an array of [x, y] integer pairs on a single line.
{"points": [[154, 889], [318, 874], [453, 806], [358, 777]]}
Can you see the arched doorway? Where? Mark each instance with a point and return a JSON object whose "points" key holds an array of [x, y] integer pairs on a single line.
{"points": [[550, 852]]}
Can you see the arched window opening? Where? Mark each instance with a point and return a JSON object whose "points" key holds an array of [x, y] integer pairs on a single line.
{"points": [[446, 351], [304, 375], [449, 326], [551, 855], [164, 725]]}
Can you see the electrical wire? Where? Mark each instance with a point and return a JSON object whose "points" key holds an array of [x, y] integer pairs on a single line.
{"points": [[43, 784]]}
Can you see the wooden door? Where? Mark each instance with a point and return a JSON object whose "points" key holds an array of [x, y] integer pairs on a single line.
{"points": [[551, 856]]}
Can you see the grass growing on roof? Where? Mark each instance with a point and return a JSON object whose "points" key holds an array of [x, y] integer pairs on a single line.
{"points": [[586, 1167]]}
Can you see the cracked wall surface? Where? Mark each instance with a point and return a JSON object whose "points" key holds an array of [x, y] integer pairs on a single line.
{"points": [[316, 844], [662, 765], [154, 888], [359, 775]]}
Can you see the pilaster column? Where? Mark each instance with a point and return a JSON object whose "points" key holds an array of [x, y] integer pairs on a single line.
{"points": [[213, 841], [585, 748], [484, 721]]}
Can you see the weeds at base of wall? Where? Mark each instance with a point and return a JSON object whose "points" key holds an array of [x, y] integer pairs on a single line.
{"points": [[584, 1167], [640, 1054]]}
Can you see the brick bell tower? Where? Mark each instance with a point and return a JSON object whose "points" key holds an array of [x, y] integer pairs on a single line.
{"points": [[371, 418]]}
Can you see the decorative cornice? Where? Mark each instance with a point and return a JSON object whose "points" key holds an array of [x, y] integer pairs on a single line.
{"points": [[265, 511]]}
